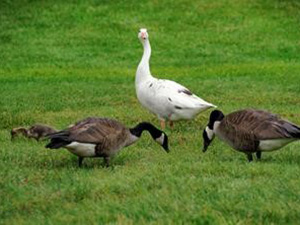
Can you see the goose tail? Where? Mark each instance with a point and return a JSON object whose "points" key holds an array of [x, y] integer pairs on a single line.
{"points": [[293, 130], [58, 140], [297, 134]]}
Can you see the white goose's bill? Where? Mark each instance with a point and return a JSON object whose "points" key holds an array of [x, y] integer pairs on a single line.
{"points": [[82, 149], [270, 145], [143, 33]]}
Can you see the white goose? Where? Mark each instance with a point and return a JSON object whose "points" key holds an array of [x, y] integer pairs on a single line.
{"points": [[167, 99]]}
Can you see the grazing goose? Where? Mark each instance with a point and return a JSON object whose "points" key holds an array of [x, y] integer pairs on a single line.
{"points": [[36, 131], [250, 131], [167, 99], [102, 137]]}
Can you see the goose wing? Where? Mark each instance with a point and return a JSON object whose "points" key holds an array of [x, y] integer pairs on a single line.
{"points": [[262, 125], [179, 96], [276, 128], [91, 130], [96, 130]]}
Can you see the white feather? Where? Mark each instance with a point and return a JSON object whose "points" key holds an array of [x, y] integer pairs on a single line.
{"points": [[270, 145], [82, 149], [161, 139], [210, 133], [167, 99]]}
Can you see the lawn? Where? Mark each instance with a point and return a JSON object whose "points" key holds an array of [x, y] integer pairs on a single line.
{"points": [[61, 61]]}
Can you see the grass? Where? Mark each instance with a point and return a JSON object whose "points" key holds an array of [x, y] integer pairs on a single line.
{"points": [[63, 61]]}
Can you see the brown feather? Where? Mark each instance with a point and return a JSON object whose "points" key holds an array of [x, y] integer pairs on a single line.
{"points": [[245, 128], [105, 133]]}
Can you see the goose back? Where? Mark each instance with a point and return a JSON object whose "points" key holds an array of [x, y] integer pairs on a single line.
{"points": [[106, 135], [244, 129]]}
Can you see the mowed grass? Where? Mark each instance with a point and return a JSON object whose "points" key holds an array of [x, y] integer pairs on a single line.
{"points": [[62, 61]]}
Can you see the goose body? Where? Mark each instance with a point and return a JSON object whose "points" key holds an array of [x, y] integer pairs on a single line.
{"points": [[167, 99], [102, 137], [251, 131]]}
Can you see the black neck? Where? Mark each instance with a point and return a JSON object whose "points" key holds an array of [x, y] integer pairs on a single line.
{"points": [[215, 115], [138, 130]]}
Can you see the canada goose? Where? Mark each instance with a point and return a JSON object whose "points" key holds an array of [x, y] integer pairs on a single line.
{"points": [[167, 99], [102, 137], [36, 131], [250, 131]]}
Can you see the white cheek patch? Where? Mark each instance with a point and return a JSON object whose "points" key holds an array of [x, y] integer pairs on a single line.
{"points": [[161, 139], [210, 133]]}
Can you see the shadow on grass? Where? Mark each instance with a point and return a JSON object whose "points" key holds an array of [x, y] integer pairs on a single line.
{"points": [[72, 163], [285, 159], [278, 157]]}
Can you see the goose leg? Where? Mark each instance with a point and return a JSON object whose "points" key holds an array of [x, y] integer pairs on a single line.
{"points": [[106, 161], [258, 154], [162, 124], [171, 124], [80, 159], [249, 156]]}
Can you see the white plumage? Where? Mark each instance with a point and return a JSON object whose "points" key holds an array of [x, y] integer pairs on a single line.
{"points": [[82, 149], [165, 98]]}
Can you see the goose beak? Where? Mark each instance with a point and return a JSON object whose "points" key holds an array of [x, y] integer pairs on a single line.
{"points": [[165, 144], [143, 35], [208, 136], [205, 147], [163, 140], [167, 149]]}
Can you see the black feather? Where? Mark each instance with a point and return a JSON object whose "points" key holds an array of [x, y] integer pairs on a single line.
{"points": [[58, 140], [296, 131], [57, 143]]}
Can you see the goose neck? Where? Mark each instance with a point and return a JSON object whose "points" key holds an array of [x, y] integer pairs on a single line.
{"points": [[21, 130], [141, 127], [216, 127], [143, 71], [157, 135]]}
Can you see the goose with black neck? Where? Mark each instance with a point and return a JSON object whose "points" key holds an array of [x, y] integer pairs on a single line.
{"points": [[250, 131], [102, 137]]}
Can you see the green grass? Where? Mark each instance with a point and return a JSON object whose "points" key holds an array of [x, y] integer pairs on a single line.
{"points": [[61, 61]]}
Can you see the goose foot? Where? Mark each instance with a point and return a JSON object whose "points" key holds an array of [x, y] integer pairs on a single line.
{"points": [[250, 157], [80, 159], [162, 124], [106, 161], [171, 123], [258, 154]]}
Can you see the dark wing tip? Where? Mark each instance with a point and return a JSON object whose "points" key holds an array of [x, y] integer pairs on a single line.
{"points": [[185, 91]]}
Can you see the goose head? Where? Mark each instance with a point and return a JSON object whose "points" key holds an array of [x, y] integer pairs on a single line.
{"points": [[19, 130], [143, 35], [163, 141], [216, 117]]}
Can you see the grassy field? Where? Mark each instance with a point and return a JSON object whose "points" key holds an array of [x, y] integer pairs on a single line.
{"points": [[61, 61]]}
